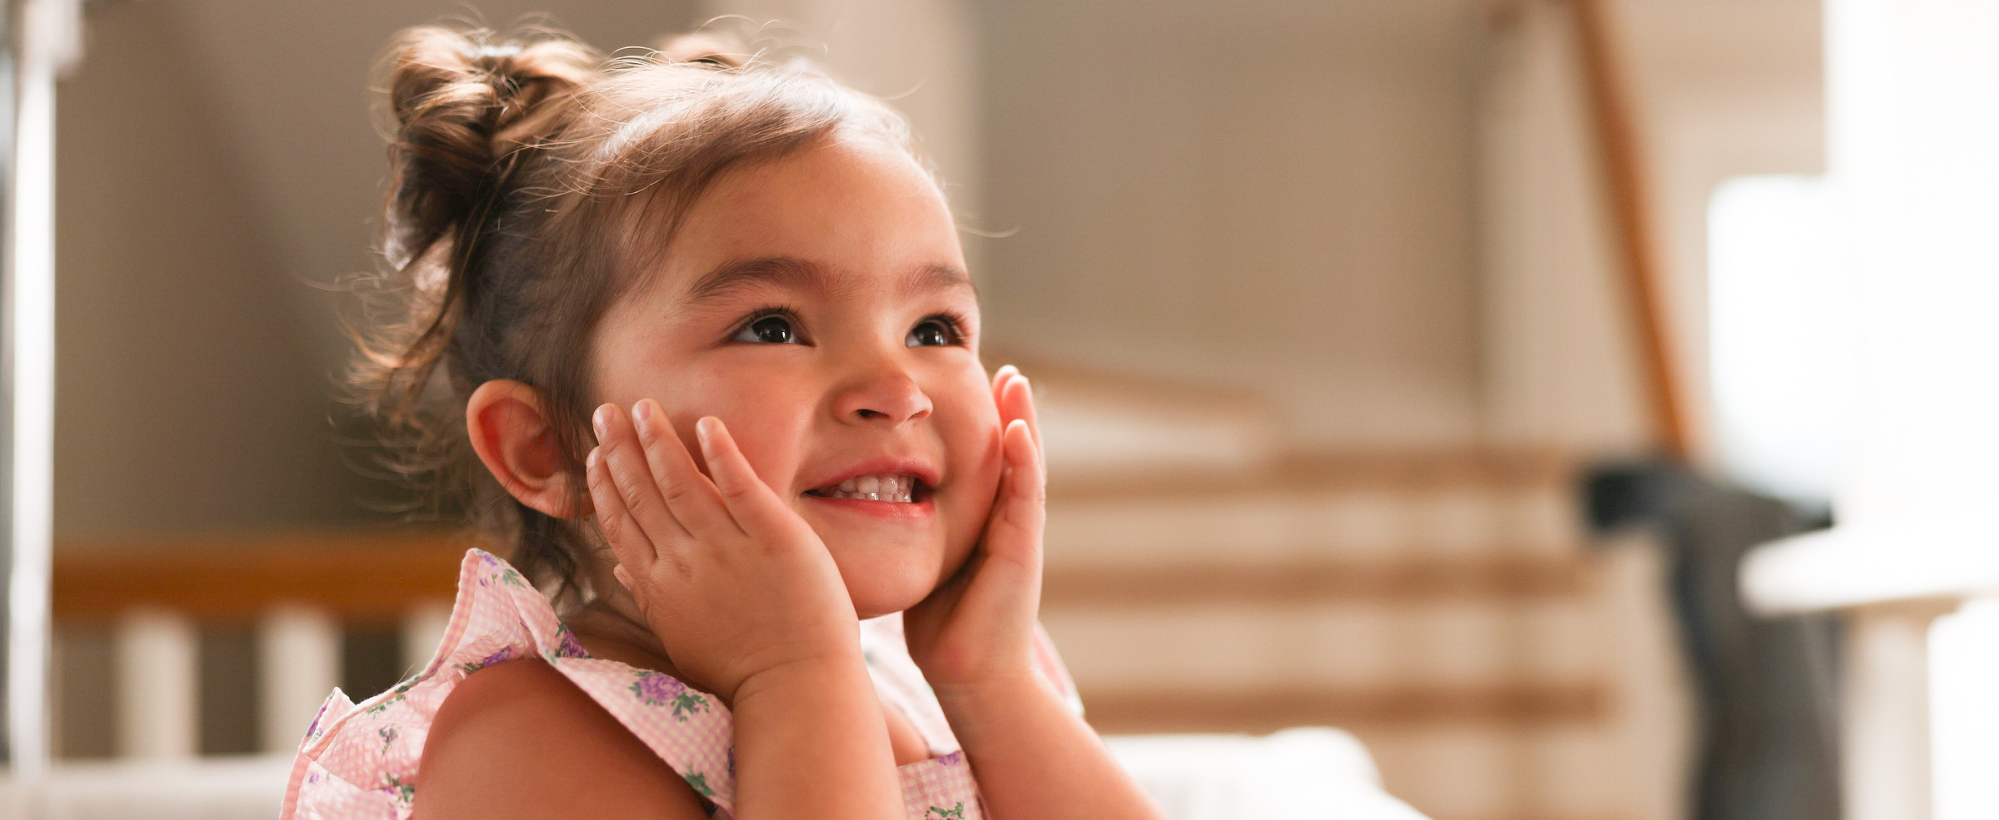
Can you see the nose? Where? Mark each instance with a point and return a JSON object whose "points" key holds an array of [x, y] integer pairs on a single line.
{"points": [[882, 393]]}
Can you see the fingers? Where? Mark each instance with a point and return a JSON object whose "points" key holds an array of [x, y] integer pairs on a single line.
{"points": [[751, 502], [628, 540], [1027, 478], [623, 456], [1015, 398], [1014, 529], [688, 494]]}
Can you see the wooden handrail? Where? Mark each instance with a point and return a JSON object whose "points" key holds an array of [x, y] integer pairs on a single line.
{"points": [[356, 576], [1620, 150]]}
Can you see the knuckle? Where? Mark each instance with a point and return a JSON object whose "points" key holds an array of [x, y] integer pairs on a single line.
{"points": [[634, 499], [675, 494]]}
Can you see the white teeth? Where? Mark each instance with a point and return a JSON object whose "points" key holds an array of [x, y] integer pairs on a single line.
{"points": [[893, 488]]}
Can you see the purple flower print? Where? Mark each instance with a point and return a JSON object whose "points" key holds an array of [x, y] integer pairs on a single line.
{"points": [[399, 791], [568, 646], [655, 689], [505, 653]]}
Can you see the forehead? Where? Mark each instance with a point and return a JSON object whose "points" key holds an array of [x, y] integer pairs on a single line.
{"points": [[854, 207]]}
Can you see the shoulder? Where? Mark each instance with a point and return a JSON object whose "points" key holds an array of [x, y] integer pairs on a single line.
{"points": [[517, 739]]}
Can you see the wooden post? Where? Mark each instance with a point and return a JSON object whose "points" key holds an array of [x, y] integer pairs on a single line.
{"points": [[1885, 727], [300, 648], [158, 686]]}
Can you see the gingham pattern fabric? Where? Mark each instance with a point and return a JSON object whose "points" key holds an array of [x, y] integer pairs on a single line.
{"points": [[359, 761]]}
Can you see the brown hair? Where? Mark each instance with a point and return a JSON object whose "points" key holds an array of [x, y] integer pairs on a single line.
{"points": [[532, 183]]}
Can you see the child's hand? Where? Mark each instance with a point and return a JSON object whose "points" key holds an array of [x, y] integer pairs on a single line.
{"points": [[978, 627], [730, 579]]}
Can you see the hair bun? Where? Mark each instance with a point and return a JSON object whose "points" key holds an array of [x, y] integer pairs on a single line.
{"points": [[461, 104]]}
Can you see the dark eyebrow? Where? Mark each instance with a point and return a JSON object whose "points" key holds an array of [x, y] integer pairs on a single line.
{"points": [[938, 278], [779, 271], [791, 272]]}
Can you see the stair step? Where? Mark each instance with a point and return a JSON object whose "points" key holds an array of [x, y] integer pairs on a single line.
{"points": [[1153, 711], [1317, 473], [1334, 645], [1188, 583], [1445, 524]]}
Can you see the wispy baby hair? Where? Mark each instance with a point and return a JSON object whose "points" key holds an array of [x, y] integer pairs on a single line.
{"points": [[532, 182]]}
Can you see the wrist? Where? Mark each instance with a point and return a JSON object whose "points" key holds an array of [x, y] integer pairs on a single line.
{"points": [[834, 668], [975, 668], [969, 704]]}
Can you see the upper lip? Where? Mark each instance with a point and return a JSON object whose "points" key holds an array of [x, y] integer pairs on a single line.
{"points": [[883, 465]]}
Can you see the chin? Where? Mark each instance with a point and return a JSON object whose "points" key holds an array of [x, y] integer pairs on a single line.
{"points": [[877, 596], [887, 571]]}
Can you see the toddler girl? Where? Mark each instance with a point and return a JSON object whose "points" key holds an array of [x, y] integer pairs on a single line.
{"points": [[775, 538]]}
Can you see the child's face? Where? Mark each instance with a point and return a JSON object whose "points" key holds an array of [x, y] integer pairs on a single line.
{"points": [[817, 304]]}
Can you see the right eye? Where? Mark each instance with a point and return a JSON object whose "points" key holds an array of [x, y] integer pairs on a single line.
{"points": [[769, 329]]}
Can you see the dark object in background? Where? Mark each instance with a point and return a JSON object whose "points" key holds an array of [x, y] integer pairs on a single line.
{"points": [[1765, 687]]}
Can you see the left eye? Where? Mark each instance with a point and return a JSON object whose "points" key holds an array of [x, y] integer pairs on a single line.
{"points": [[932, 332], [772, 329]]}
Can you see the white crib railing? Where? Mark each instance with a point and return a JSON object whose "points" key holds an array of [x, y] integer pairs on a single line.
{"points": [[299, 591]]}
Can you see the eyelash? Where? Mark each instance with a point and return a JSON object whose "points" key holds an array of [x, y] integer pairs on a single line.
{"points": [[954, 323]]}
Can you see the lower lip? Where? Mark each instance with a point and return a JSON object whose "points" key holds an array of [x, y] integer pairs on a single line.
{"points": [[887, 510]]}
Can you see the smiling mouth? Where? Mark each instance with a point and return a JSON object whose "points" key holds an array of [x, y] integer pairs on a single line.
{"points": [[896, 489]]}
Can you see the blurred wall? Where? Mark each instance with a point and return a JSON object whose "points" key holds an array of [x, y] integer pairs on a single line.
{"points": [[1386, 216], [1274, 195], [216, 168]]}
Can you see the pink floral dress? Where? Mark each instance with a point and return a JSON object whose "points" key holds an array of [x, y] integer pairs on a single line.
{"points": [[359, 761]]}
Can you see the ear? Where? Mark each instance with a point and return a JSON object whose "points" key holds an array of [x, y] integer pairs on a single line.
{"points": [[510, 429]]}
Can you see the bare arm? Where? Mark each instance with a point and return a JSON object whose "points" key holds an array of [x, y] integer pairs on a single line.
{"points": [[518, 740], [811, 742], [1035, 758]]}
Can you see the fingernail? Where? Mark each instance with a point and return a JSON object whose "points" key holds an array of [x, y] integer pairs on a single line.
{"points": [[624, 579], [1009, 368], [641, 415], [590, 461], [601, 420], [704, 430]]}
